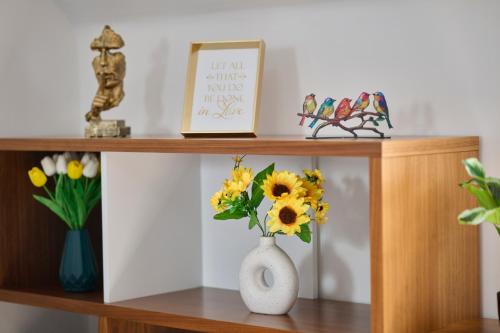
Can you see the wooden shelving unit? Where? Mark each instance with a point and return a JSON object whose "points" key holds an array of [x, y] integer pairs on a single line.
{"points": [[203, 310], [424, 266]]}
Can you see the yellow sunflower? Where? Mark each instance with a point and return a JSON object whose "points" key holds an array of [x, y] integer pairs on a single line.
{"points": [[281, 184], [312, 194], [217, 202], [287, 215], [231, 189], [243, 177], [314, 176], [320, 212]]}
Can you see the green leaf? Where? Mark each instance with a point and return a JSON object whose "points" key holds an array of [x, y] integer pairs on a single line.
{"points": [[493, 216], [472, 216], [80, 206], [305, 233], [498, 229], [479, 215], [257, 191], [494, 187], [482, 195], [54, 207], [228, 215], [474, 168], [253, 221]]}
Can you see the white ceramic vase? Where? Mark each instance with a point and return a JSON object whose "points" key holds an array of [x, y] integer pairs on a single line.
{"points": [[258, 296]]}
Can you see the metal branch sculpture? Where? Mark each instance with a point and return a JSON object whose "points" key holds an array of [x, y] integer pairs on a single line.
{"points": [[344, 112]]}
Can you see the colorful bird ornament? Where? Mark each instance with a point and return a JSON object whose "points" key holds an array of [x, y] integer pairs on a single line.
{"points": [[325, 110], [344, 109], [380, 105], [362, 102], [308, 107]]}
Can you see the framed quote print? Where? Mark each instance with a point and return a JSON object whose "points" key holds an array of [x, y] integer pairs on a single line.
{"points": [[223, 86]]}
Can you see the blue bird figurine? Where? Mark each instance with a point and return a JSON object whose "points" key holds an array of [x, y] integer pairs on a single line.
{"points": [[325, 110], [380, 105]]}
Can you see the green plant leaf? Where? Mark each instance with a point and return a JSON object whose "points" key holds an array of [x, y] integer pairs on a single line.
{"points": [[253, 221], [493, 216], [472, 216], [494, 187], [305, 233], [479, 215], [79, 205], [228, 215], [482, 195], [474, 168], [54, 207], [498, 229], [257, 191]]}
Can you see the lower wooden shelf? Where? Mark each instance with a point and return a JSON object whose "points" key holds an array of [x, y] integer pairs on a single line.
{"points": [[473, 326], [203, 310]]}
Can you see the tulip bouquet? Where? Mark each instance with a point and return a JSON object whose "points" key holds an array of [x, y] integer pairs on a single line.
{"points": [[77, 186], [295, 201]]}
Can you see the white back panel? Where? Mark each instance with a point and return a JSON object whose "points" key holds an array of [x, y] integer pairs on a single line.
{"points": [[151, 224]]}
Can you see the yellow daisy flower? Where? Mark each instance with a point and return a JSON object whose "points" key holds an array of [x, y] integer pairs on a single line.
{"points": [[312, 194], [217, 202], [320, 212], [314, 176], [287, 215], [281, 184]]}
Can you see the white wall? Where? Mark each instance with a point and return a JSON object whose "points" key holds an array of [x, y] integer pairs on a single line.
{"points": [[436, 61], [151, 224], [38, 96]]}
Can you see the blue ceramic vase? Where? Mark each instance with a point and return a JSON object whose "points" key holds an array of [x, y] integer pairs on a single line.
{"points": [[78, 271]]}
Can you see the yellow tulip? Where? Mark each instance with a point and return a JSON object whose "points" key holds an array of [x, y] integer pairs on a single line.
{"points": [[37, 177], [75, 170]]}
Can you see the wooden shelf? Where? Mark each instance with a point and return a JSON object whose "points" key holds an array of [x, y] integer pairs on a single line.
{"points": [[420, 258], [297, 146], [473, 326], [203, 310]]}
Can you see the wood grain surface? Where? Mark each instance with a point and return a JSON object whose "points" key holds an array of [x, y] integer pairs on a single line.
{"points": [[111, 325], [204, 310], [289, 146], [425, 266], [472, 326]]}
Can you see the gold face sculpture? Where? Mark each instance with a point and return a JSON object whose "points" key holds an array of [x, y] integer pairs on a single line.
{"points": [[109, 70]]}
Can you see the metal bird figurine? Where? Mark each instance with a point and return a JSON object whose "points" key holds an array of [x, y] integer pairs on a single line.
{"points": [[308, 107], [362, 102], [344, 109], [380, 105], [325, 110]]}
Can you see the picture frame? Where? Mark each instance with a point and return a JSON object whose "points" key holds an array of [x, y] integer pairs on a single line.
{"points": [[223, 88]]}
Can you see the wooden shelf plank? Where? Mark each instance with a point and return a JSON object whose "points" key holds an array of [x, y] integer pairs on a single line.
{"points": [[278, 145], [204, 310], [473, 326]]}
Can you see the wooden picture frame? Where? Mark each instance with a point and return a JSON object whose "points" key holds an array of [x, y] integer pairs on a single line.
{"points": [[223, 88]]}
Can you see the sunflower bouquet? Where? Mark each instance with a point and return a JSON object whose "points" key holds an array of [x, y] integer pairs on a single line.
{"points": [[77, 186], [296, 200]]}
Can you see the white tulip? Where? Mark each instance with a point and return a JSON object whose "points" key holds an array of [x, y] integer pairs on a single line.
{"points": [[61, 165], [54, 157], [87, 157], [48, 166], [91, 168], [70, 156]]}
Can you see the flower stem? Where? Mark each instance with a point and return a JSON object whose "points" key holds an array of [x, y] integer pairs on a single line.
{"points": [[48, 192]]}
